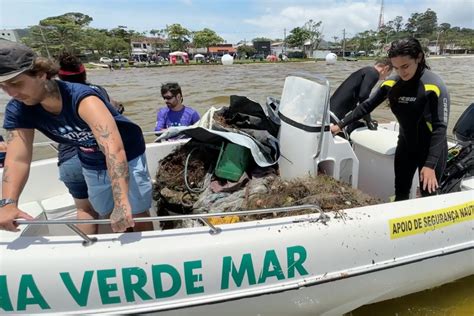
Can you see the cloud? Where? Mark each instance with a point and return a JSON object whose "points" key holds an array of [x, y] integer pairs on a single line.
{"points": [[354, 16]]}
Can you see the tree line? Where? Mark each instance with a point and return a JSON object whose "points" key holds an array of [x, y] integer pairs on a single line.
{"points": [[72, 32]]}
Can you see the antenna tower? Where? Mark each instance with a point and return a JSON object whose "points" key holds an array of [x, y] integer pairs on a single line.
{"points": [[381, 16]]}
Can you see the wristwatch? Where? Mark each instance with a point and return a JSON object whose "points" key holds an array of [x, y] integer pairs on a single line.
{"points": [[4, 202]]}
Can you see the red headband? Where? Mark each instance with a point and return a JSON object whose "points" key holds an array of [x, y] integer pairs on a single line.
{"points": [[69, 73]]}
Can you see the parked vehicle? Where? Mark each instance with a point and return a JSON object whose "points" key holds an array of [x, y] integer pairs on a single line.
{"points": [[258, 56], [296, 55], [105, 60]]}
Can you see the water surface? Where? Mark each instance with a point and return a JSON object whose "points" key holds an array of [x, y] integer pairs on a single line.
{"points": [[211, 85]]}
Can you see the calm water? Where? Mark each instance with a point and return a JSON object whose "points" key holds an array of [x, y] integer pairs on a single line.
{"points": [[205, 86]]}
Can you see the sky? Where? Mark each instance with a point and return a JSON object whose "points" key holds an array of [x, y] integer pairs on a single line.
{"points": [[237, 20]]}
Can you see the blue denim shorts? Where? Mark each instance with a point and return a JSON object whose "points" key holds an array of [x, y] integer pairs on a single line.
{"points": [[70, 172], [139, 188]]}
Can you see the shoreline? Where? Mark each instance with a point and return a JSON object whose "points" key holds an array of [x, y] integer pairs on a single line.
{"points": [[451, 56], [98, 66]]}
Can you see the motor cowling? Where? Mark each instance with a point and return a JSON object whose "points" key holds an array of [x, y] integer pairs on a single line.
{"points": [[464, 127]]}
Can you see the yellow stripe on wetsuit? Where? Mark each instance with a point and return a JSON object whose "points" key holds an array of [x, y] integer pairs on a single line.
{"points": [[389, 83], [434, 88]]}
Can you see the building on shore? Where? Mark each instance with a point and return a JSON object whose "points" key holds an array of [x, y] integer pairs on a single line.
{"points": [[221, 49], [11, 35], [148, 48]]}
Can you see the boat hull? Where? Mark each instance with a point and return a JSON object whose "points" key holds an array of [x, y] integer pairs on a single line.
{"points": [[291, 265]]}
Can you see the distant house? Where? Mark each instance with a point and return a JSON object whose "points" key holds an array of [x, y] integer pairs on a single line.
{"points": [[440, 48], [196, 50], [221, 49], [321, 52], [277, 48], [11, 35], [144, 47]]}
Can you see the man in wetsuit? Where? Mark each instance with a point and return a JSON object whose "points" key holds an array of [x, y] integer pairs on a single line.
{"points": [[420, 101], [356, 89]]}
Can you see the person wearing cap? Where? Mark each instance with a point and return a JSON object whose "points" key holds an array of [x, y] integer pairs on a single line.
{"points": [[71, 69], [111, 147]]}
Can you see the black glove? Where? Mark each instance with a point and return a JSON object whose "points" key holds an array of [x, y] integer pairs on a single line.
{"points": [[372, 125]]}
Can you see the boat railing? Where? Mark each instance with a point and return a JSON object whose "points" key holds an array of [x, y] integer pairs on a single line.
{"points": [[54, 145], [337, 120], [203, 218]]}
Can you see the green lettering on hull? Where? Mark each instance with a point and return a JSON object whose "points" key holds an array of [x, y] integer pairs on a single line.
{"points": [[296, 264], [105, 288], [80, 296], [271, 267], [5, 301], [246, 268], [27, 284], [159, 269], [191, 278], [130, 288]]}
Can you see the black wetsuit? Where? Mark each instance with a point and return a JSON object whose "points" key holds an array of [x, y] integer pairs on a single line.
{"points": [[355, 89], [421, 106]]}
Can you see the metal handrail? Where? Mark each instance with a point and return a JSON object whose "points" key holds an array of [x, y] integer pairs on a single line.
{"points": [[337, 120], [201, 217], [53, 143]]}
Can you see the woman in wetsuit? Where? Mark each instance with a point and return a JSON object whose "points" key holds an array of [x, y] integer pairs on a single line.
{"points": [[420, 102]]}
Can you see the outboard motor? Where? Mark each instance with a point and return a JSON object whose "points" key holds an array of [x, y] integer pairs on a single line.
{"points": [[464, 128], [460, 164]]}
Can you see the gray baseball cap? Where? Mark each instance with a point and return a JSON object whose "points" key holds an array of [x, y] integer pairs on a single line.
{"points": [[15, 58]]}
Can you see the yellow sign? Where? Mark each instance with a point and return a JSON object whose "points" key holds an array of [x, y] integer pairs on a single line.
{"points": [[420, 223]]}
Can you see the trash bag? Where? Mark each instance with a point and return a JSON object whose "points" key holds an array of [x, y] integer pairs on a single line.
{"points": [[246, 114]]}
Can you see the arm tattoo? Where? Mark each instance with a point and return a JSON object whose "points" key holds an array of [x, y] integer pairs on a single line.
{"points": [[117, 169], [103, 137], [10, 135], [5, 175], [103, 131]]}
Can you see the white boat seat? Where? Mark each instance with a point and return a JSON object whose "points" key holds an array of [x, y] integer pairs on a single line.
{"points": [[59, 207], [376, 152]]}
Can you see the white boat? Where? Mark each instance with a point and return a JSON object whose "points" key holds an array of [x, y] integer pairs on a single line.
{"points": [[295, 265]]}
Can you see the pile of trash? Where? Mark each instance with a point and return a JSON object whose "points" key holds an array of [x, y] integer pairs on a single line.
{"points": [[212, 174], [181, 189]]}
